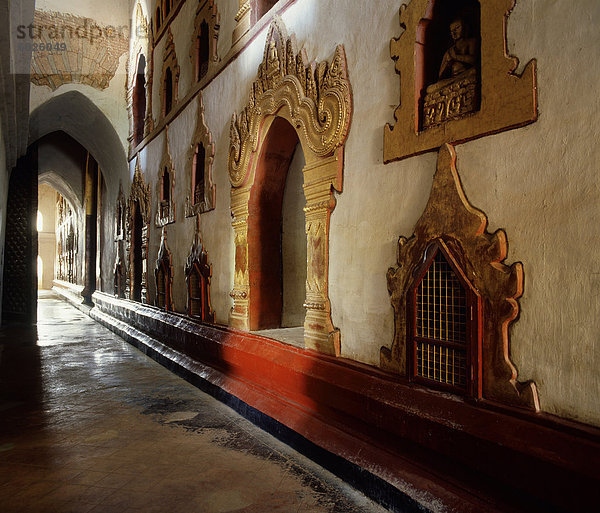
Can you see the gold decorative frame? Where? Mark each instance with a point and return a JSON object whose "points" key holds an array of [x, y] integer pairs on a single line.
{"points": [[316, 100], [507, 99], [139, 192], [139, 49], [201, 135], [242, 20], [199, 257], [166, 162], [169, 61], [450, 217], [206, 11]]}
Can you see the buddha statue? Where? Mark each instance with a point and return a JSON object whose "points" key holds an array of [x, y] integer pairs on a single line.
{"points": [[462, 55]]}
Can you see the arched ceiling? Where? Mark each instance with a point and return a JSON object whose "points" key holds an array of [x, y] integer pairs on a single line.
{"points": [[74, 114]]}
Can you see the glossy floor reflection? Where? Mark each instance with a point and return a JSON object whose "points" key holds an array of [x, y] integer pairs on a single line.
{"points": [[90, 424]]}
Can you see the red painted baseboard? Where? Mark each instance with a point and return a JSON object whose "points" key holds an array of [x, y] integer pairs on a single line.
{"points": [[436, 448]]}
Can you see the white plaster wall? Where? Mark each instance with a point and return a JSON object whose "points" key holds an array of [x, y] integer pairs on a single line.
{"points": [[293, 244], [539, 183], [47, 236]]}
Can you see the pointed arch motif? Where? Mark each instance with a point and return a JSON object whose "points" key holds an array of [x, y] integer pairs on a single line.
{"points": [[139, 198], [165, 203], [163, 274], [198, 273], [207, 19], [200, 197], [169, 66], [141, 46], [315, 99], [450, 219]]}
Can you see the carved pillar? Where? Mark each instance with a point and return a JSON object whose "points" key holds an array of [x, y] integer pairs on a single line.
{"points": [[316, 101], [144, 291], [319, 181], [91, 194], [240, 313]]}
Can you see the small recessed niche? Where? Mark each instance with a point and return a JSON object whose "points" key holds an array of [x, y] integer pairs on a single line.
{"points": [[448, 62]]}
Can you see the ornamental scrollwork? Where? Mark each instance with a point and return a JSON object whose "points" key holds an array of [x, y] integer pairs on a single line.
{"points": [[314, 97]]}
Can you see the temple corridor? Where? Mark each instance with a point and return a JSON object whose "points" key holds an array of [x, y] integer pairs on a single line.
{"points": [[90, 424]]}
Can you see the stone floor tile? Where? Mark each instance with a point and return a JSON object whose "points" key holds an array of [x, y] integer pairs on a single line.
{"points": [[88, 424]]}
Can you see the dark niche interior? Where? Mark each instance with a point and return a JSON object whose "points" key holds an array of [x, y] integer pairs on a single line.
{"points": [[448, 62]]}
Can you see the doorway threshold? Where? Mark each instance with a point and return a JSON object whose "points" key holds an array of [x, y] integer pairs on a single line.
{"points": [[291, 336]]}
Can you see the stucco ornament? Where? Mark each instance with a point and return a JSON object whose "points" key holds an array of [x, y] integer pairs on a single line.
{"points": [[450, 218], [451, 114], [315, 98], [197, 261], [316, 101], [139, 195], [165, 208], [201, 136], [163, 272], [140, 46]]}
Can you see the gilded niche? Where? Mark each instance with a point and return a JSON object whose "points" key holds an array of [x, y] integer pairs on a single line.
{"points": [[457, 80], [450, 222], [203, 49], [165, 187], [138, 222], [198, 273], [316, 96], [314, 100], [201, 193], [456, 90]]}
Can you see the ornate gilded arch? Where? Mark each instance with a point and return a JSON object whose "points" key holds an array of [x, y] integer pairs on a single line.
{"points": [[165, 208], [139, 197], [450, 218], [169, 62], [316, 99], [207, 13], [201, 136], [140, 46], [197, 266]]}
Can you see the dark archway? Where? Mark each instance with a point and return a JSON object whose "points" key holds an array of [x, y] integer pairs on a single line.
{"points": [[265, 228], [136, 253], [202, 51], [139, 101], [74, 114], [168, 105]]}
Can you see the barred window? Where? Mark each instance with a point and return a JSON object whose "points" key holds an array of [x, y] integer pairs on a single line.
{"points": [[445, 330]]}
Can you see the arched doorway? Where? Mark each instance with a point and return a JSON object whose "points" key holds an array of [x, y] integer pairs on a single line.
{"points": [[139, 101], [290, 101], [137, 237], [136, 253], [277, 246]]}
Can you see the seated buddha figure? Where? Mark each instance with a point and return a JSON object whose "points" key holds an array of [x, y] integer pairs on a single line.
{"points": [[462, 55]]}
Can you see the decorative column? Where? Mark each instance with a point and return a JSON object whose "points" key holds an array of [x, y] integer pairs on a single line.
{"points": [[320, 179], [240, 313], [91, 194]]}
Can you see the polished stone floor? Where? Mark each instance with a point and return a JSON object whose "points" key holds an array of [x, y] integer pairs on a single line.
{"points": [[90, 424]]}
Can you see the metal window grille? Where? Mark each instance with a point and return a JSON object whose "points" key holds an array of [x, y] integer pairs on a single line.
{"points": [[441, 325]]}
